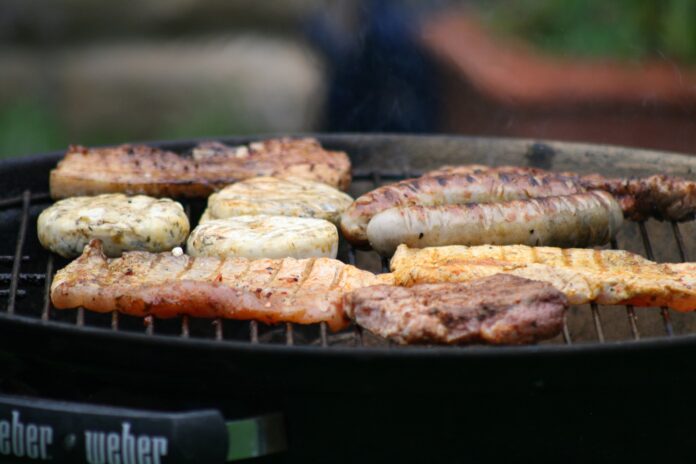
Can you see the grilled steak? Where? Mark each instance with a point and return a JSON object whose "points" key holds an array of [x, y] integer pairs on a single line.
{"points": [[133, 169], [602, 276], [659, 196], [139, 283], [449, 189], [582, 219], [501, 309]]}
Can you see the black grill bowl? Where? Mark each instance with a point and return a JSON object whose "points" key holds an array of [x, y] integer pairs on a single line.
{"points": [[615, 387]]}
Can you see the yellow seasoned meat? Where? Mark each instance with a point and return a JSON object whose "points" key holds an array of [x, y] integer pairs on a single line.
{"points": [[602, 276], [272, 196], [264, 237], [121, 222], [304, 291]]}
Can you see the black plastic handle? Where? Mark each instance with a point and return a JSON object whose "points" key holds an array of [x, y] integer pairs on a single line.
{"points": [[42, 430]]}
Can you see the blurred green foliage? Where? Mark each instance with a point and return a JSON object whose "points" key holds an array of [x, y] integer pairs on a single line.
{"points": [[626, 29], [33, 127]]}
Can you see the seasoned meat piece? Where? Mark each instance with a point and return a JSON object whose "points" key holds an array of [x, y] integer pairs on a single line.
{"points": [[122, 223], [139, 283], [447, 190], [604, 276], [278, 197], [264, 237], [583, 219], [135, 169], [501, 309], [659, 196]]}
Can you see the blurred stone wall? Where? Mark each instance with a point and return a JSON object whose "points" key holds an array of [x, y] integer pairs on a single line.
{"points": [[105, 72]]}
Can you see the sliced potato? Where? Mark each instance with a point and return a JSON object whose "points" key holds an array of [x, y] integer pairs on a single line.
{"points": [[277, 197], [264, 236], [121, 222]]}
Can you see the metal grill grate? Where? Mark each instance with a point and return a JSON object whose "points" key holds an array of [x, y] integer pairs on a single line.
{"points": [[26, 283]]}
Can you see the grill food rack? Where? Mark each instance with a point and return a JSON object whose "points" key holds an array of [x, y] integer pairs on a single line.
{"points": [[641, 352]]}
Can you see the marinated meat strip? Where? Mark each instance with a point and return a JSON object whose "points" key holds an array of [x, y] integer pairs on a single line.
{"points": [[450, 189], [603, 276], [659, 196], [304, 291], [501, 309], [134, 169]]}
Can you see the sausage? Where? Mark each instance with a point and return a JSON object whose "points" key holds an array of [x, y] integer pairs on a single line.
{"points": [[566, 221], [658, 196], [451, 189]]}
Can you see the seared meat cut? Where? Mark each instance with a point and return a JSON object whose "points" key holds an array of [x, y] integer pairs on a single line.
{"points": [[139, 283], [501, 309], [603, 276], [134, 169]]}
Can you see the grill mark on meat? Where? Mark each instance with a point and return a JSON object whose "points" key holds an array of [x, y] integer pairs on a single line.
{"points": [[565, 256], [305, 274], [187, 267], [337, 278]]}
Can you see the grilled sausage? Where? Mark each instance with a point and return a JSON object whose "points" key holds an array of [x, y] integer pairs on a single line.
{"points": [[572, 220], [450, 189], [658, 196]]}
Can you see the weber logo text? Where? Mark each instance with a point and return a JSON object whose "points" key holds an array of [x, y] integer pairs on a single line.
{"points": [[19, 439], [123, 447]]}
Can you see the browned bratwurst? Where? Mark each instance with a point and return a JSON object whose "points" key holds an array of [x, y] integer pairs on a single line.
{"points": [[579, 220], [447, 190], [140, 169], [659, 196]]}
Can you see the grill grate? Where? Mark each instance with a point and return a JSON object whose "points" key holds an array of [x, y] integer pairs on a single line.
{"points": [[581, 324]]}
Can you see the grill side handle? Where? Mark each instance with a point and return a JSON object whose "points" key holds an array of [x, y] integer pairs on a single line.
{"points": [[41, 430]]}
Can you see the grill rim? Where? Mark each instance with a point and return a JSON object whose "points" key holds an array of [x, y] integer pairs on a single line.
{"points": [[600, 346]]}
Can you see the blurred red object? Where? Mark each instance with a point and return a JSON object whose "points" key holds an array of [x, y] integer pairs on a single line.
{"points": [[493, 86]]}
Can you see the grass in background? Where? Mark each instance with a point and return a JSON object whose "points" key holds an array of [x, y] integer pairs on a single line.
{"points": [[28, 127]]}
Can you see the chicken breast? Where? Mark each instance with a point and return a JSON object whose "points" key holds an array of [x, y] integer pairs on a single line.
{"points": [[602, 276], [271, 196], [501, 309], [139, 283], [264, 237], [142, 169], [121, 222]]}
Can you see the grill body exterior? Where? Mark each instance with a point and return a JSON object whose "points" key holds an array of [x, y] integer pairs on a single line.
{"points": [[616, 385]]}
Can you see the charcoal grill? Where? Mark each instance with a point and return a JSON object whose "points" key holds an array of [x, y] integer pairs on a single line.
{"points": [[381, 391]]}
